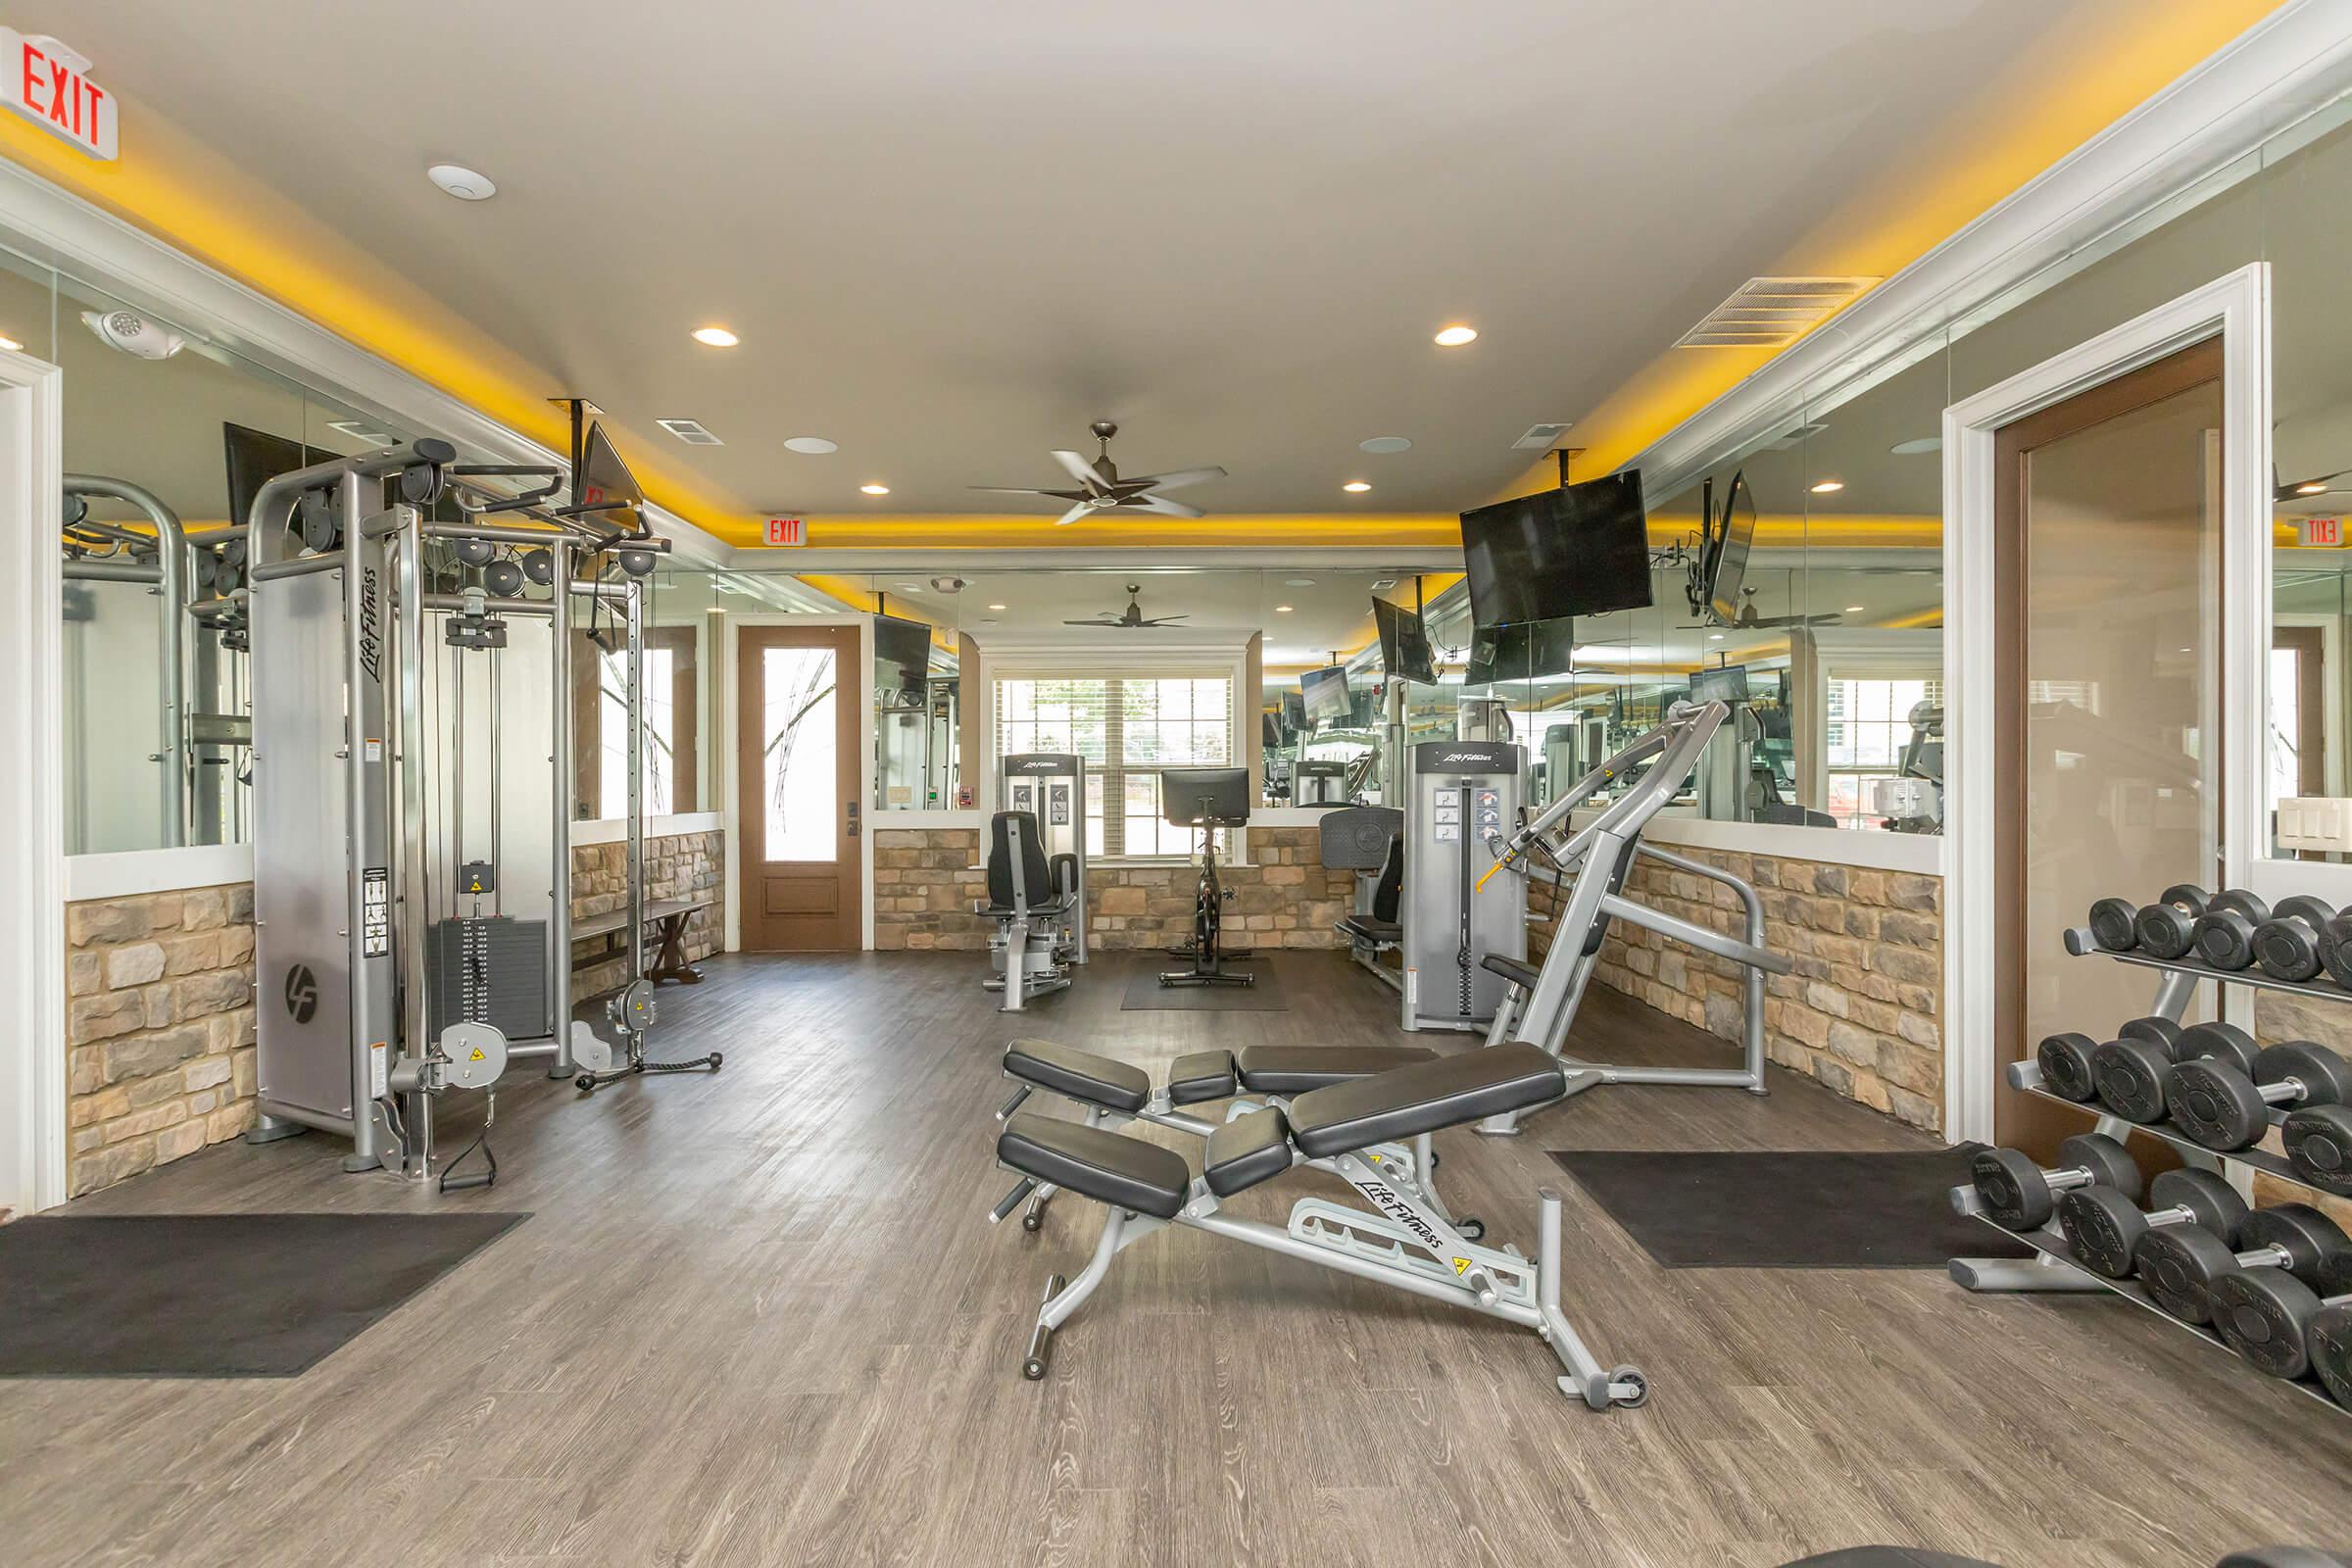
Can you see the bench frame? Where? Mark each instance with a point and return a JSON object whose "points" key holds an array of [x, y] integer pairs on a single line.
{"points": [[1406, 1243]]}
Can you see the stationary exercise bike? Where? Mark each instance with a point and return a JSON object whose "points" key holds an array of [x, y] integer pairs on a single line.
{"points": [[1207, 798]]}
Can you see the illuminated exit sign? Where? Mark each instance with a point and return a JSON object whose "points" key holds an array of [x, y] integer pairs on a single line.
{"points": [[50, 84], [787, 531], [2320, 533]]}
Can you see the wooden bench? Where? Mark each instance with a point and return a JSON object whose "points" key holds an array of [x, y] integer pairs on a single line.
{"points": [[671, 962]]}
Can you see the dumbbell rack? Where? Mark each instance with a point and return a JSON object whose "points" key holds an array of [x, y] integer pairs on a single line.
{"points": [[2053, 1267]]}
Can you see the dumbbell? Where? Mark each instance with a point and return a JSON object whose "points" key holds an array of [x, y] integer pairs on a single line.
{"points": [[2265, 1315], [2167, 927], [2330, 1345], [2181, 1266], [2222, 1106], [2319, 1144], [2223, 935], [2336, 948], [2287, 943], [2021, 1196], [2114, 925], [2102, 1226], [2066, 1065], [2130, 1070]]}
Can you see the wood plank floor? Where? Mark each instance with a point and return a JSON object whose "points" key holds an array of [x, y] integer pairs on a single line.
{"points": [[760, 1318]]}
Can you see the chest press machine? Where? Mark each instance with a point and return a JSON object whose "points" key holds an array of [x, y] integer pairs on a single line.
{"points": [[1588, 872], [1036, 877]]}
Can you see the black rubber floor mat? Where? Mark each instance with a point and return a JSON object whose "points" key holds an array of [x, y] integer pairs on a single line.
{"points": [[1145, 992], [212, 1296], [1789, 1210]]}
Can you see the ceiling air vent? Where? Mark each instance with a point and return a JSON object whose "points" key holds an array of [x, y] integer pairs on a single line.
{"points": [[1769, 313], [1794, 437], [691, 432], [1540, 437]]}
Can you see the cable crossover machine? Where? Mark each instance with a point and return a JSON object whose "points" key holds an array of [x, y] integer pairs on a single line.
{"points": [[413, 758]]}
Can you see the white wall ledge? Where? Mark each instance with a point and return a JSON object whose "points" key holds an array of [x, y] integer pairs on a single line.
{"points": [[130, 873], [1915, 853], [613, 830]]}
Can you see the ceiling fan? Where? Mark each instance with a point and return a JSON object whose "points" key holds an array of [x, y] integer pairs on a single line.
{"points": [[1133, 617], [1100, 489], [1748, 621]]}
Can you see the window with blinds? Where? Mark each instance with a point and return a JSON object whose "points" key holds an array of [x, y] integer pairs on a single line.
{"points": [[1128, 728]]}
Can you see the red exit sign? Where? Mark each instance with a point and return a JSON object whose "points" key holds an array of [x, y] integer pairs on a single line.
{"points": [[787, 530], [2320, 533], [49, 84]]}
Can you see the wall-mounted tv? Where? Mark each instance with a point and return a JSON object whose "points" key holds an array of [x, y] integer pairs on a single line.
{"points": [[901, 656], [1729, 540], [1726, 683], [1403, 643], [1521, 652], [1325, 694], [1580, 550], [254, 458]]}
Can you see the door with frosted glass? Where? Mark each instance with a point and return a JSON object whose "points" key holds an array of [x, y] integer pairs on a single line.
{"points": [[2108, 580], [799, 706]]}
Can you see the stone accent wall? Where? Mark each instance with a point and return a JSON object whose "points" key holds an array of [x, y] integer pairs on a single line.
{"points": [[678, 865], [1863, 1010], [158, 1028], [926, 881]]}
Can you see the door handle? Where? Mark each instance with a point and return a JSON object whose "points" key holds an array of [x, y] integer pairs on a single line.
{"points": [[853, 806]]}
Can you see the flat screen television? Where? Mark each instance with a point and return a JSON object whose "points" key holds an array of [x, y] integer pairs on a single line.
{"points": [[1192, 796], [1403, 643], [1733, 533], [1728, 684], [1520, 651], [1325, 693], [1294, 714], [254, 458], [1269, 731], [901, 656], [1580, 550], [605, 488]]}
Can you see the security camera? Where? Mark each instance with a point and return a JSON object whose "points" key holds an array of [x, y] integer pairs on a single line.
{"points": [[133, 334], [947, 585]]}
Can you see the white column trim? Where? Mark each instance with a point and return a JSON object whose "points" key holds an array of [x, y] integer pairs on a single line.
{"points": [[2237, 307]]}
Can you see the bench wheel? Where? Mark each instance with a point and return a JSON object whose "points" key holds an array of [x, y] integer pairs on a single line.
{"points": [[1636, 1379], [1033, 1222], [1470, 1227], [1034, 1368]]}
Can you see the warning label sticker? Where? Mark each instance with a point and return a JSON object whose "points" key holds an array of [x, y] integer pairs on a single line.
{"points": [[1461, 1266]]}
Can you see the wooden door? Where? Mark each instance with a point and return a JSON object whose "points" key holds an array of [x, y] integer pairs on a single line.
{"points": [[799, 700], [2107, 586]]}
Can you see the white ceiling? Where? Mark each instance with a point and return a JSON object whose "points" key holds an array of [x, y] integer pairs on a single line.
{"points": [[950, 235]]}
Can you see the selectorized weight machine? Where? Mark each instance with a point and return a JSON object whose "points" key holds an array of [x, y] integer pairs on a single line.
{"points": [[411, 878]]}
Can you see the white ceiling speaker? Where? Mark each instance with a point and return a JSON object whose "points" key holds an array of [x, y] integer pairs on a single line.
{"points": [[812, 446], [1381, 445], [133, 334], [463, 183]]}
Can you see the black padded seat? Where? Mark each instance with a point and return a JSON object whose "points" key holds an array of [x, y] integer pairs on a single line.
{"points": [[1370, 928], [1888, 1557], [1105, 1166], [1247, 1151], [1411, 1100], [1079, 1074], [1516, 971], [1203, 1075], [1296, 1069]]}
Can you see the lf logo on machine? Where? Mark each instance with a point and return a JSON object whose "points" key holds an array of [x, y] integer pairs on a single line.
{"points": [[301, 993]]}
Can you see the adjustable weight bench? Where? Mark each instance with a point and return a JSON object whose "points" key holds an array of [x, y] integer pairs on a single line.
{"points": [[1401, 1240], [1113, 1092]]}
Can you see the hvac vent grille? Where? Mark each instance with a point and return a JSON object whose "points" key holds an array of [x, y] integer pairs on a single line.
{"points": [[691, 432], [1770, 312], [1790, 439], [1540, 437]]}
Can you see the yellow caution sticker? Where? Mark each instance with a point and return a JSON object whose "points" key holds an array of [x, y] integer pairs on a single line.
{"points": [[477, 1056], [1461, 1266]]}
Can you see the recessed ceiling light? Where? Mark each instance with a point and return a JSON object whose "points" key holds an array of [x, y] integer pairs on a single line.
{"points": [[1853, 610], [11, 345], [1453, 337], [716, 337], [462, 183], [2311, 488], [812, 446], [1382, 445], [875, 489], [1714, 636], [1355, 487], [996, 607], [1829, 487], [1281, 609], [1918, 447]]}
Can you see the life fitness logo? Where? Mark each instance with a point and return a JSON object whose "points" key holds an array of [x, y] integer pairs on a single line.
{"points": [[301, 993], [49, 84]]}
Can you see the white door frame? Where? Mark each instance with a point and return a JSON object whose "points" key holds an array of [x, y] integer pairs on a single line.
{"points": [[730, 710], [32, 850], [2236, 308]]}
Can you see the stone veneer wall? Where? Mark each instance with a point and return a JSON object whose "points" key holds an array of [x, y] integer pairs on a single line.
{"points": [[1863, 1010], [678, 865], [159, 1029], [925, 883]]}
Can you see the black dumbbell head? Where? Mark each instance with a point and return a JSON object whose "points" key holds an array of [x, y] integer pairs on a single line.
{"points": [[2178, 1266], [2218, 1042], [2167, 930], [2011, 1187], [2187, 897], [2325, 1074], [2101, 1227], [2330, 1344], [2303, 907], [2288, 948], [2109, 1163], [2319, 1144], [2215, 1105], [2215, 1204], [2246, 902], [2164, 1031], [2064, 1061], [2224, 937], [2130, 1075], [2314, 1245], [2264, 1314], [2113, 923], [2335, 949]]}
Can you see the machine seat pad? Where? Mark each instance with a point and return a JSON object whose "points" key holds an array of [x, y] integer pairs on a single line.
{"points": [[1050, 907], [1371, 929], [1203, 1075], [1079, 1074], [1106, 1166], [1247, 1151], [1411, 1100], [1517, 971], [1296, 1069]]}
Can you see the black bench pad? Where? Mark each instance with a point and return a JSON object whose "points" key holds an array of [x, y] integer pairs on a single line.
{"points": [[1888, 1557], [1105, 1166], [1247, 1151], [1372, 929], [1079, 1074], [1203, 1075], [1514, 970], [1296, 1069], [1411, 1100]]}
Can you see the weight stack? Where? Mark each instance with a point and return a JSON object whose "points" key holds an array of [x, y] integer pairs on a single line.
{"points": [[488, 969]]}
